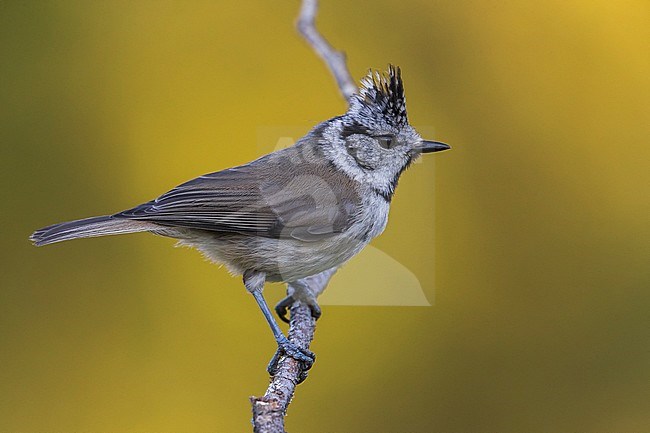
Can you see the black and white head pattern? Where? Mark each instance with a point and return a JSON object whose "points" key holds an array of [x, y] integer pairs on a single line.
{"points": [[380, 103]]}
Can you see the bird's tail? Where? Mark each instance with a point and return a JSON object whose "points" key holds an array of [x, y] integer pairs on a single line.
{"points": [[87, 228]]}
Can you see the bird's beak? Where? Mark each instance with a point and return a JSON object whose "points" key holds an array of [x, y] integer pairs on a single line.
{"points": [[432, 146]]}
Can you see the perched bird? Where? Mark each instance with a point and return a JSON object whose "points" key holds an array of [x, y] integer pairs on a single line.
{"points": [[292, 213]]}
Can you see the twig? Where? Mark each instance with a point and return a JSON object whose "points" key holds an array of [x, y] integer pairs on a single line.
{"points": [[334, 59], [269, 410]]}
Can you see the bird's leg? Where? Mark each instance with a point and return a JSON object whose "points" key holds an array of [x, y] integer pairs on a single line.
{"points": [[298, 291], [254, 282]]}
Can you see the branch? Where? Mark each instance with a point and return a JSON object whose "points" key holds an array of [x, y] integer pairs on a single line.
{"points": [[334, 59], [269, 410]]}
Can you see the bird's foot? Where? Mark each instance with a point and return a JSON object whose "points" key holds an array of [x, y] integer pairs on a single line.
{"points": [[282, 308], [305, 357]]}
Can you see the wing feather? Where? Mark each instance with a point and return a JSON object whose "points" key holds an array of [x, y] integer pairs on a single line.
{"points": [[304, 201]]}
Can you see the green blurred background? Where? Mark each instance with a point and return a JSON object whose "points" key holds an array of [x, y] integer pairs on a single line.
{"points": [[531, 240]]}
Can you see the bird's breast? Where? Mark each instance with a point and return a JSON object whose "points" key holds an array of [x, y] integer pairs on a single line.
{"points": [[372, 219]]}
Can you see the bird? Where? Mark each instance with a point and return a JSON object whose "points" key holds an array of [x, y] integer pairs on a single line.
{"points": [[292, 213]]}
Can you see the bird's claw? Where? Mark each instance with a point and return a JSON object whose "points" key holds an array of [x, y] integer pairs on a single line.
{"points": [[282, 308], [305, 357], [315, 310]]}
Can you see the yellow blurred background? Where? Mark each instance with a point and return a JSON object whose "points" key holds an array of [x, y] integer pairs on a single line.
{"points": [[531, 241]]}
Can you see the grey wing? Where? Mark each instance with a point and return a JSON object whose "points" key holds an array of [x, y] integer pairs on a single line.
{"points": [[247, 200]]}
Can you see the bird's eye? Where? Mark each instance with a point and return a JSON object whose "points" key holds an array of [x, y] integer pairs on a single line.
{"points": [[386, 141]]}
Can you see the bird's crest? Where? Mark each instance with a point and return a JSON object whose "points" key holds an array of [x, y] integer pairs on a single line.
{"points": [[381, 99]]}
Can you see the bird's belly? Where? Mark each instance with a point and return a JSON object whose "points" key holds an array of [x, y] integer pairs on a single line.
{"points": [[289, 259], [280, 259]]}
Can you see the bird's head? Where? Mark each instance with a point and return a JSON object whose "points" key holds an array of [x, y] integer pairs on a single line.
{"points": [[373, 141]]}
